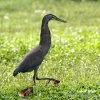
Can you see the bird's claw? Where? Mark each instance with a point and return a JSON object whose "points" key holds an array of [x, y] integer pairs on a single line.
{"points": [[56, 81]]}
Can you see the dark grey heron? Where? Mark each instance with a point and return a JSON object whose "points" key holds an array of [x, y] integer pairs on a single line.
{"points": [[33, 59]]}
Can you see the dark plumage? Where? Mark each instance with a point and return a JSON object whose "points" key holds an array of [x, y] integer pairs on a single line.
{"points": [[34, 58]]}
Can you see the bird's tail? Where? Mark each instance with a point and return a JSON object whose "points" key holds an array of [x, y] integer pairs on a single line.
{"points": [[15, 72]]}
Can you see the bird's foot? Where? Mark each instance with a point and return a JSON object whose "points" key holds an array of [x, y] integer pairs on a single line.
{"points": [[56, 82]]}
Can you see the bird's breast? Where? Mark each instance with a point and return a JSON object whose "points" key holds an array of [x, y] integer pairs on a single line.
{"points": [[45, 49]]}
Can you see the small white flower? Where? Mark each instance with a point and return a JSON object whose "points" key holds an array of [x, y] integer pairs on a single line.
{"points": [[6, 17], [72, 50], [40, 11]]}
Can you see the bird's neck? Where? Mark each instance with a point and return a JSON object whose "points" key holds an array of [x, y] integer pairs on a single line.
{"points": [[45, 36]]}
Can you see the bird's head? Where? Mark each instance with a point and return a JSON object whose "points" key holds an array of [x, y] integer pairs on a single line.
{"points": [[49, 17]]}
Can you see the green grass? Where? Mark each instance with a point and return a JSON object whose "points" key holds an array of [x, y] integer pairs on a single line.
{"points": [[74, 57]]}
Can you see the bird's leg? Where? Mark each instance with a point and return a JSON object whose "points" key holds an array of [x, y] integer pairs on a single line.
{"points": [[34, 77], [50, 79], [47, 82]]}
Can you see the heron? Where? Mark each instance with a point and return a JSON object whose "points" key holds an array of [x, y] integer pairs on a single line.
{"points": [[34, 58]]}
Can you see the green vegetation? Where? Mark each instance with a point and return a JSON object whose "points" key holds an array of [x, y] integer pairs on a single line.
{"points": [[74, 57]]}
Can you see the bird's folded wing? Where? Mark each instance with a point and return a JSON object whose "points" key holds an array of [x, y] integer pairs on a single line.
{"points": [[32, 59]]}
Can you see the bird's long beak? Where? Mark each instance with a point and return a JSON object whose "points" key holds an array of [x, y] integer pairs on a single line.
{"points": [[58, 19]]}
